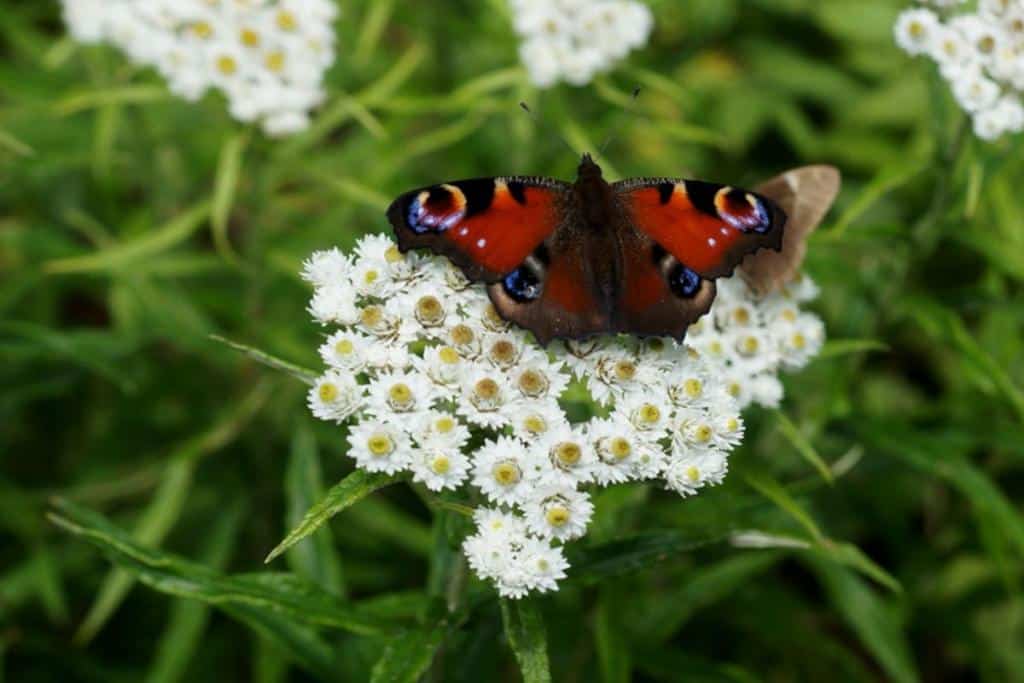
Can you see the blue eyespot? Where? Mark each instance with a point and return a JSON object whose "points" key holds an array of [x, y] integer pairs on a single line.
{"points": [[522, 285], [684, 282]]}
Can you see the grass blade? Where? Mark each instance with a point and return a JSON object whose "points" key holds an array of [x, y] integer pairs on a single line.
{"points": [[225, 187], [524, 628]]}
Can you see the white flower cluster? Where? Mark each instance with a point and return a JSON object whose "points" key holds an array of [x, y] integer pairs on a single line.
{"points": [[979, 52], [268, 57], [573, 40], [435, 384]]}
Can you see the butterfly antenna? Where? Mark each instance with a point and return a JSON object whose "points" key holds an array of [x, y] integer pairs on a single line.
{"points": [[630, 109], [541, 123]]}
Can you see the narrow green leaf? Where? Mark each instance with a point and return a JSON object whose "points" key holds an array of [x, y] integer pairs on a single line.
{"points": [[14, 145], [635, 553], [282, 595], [408, 655], [853, 557], [887, 180], [803, 446], [225, 187], [303, 374], [610, 639], [524, 628], [131, 94], [775, 492], [125, 254], [871, 619], [183, 636], [314, 558], [842, 347], [343, 494], [374, 21]]}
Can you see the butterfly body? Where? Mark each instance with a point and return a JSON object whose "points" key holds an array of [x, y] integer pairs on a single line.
{"points": [[572, 260]]}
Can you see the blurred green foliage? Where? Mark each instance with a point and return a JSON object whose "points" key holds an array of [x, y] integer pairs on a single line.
{"points": [[133, 226]]}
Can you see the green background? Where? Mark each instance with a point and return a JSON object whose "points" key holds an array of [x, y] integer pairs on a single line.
{"points": [[133, 226]]}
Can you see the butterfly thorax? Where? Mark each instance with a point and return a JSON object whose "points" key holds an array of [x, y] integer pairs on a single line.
{"points": [[594, 196]]}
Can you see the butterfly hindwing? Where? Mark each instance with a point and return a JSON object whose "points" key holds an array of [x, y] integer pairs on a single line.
{"points": [[707, 227], [805, 194], [486, 226]]}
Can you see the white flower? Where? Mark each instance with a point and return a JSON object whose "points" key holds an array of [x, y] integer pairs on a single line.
{"points": [[380, 447], [504, 470], [915, 30], [267, 57], [346, 351], [574, 40], [558, 512], [334, 396], [451, 393], [399, 395], [440, 468]]}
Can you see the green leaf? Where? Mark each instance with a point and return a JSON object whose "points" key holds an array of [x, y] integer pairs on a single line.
{"points": [[611, 638], [834, 348], [314, 558], [803, 446], [130, 94], [127, 254], [282, 595], [524, 628], [347, 492], [300, 373], [183, 635], [225, 186], [408, 655], [871, 619], [775, 492], [635, 553]]}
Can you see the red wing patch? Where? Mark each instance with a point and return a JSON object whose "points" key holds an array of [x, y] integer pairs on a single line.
{"points": [[707, 227], [487, 226]]}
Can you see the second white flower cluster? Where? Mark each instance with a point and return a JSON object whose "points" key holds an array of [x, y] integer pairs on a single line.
{"points": [[979, 52], [268, 57], [572, 40], [433, 383]]}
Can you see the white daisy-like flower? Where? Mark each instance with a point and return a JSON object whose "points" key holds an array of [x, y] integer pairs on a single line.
{"points": [[558, 511], [335, 397], [439, 468], [346, 351], [379, 446], [916, 29], [450, 393], [485, 397], [504, 470], [399, 395], [268, 57], [573, 40]]}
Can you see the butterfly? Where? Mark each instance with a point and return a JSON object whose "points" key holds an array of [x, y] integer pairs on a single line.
{"points": [[574, 260]]}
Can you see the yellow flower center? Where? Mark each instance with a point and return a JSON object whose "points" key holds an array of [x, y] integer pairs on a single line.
{"points": [[344, 347], [463, 335], [533, 383], [568, 453], [328, 392], [393, 255], [986, 45], [400, 396], [507, 473], [703, 433], [693, 387], [789, 315], [370, 276], [202, 29], [372, 316], [749, 345], [227, 65], [557, 516], [275, 61], [620, 448], [799, 341], [535, 424], [503, 353], [486, 389], [625, 370], [429, 310], [492, 319], [649, 414], [286, 21], [734, 389], [732, 424], [692, 473], [448, 355], [917, 29], [441, 464], [715, 347], [380, 445], [250, 38], [741, 316], [444, 425]]}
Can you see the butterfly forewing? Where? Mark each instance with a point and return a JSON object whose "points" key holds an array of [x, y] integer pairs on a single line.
{"points": [[486, 226]]}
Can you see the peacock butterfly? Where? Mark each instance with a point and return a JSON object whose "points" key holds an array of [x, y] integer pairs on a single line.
{"points": [[569, 261]]}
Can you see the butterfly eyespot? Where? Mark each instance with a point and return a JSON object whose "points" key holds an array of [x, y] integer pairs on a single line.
{"points": [[684, 282], [522, 285]]}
